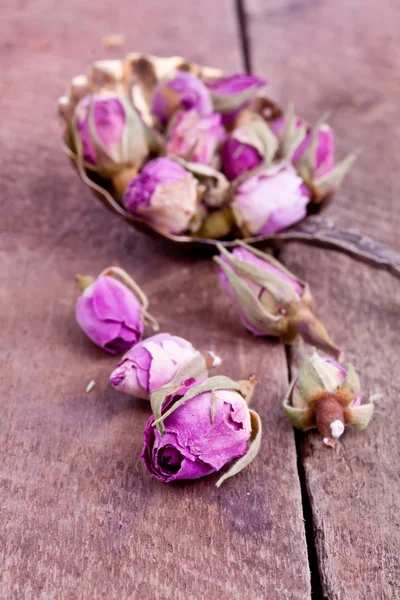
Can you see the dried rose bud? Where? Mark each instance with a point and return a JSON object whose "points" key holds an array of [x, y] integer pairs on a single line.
{"points": [[108, 133], [185, 91], [197, 428], [327, 396], [323, 156], [312, 151], [112, 310], [195, 138], [155, 362], [164, 194], [271, 300], [232, 94], [270, 201], [248, 146]]}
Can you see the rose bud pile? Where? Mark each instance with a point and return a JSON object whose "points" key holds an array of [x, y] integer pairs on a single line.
{"points": [[145, 129], [155, 362], [112, 310], [325, 395], [271, 300], [198, 427]]}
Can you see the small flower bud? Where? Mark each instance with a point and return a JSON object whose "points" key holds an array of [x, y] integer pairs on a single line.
{"points": [[311, 150], [112, 310], [270, 201], [195, 138], [184, 91], [248, 146], [198, 428], [156, 361], [325, 395], [108, 133], [271, 300], [231, 94], [164, 194]]}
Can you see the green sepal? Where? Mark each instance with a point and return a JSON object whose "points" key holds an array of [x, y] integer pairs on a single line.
{"points": [[257, 133], [274, 262], [305, 166], [224, 103], [282, 291], [351, 383], [219, 382], [253, 449], [217, 187], [291, 136], [195, 367], [331, 181], [359, 417], [255, 313], [313, 377], [301, 418]]}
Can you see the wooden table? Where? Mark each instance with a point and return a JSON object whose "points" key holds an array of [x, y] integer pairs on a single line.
{"points": [[80, 517]]}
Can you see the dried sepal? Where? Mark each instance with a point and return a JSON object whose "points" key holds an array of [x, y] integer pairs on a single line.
{"points": [[254, 447], [359, 417], [328, 183], [300, 417], [196, 367], [219, 382], [255, 312], [351, 384]]}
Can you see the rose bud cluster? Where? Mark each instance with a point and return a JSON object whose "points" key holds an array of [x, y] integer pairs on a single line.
{"points": [[112, 310], [271, 300], [326, 395], [200, 426], [154, 362], [144, 125]]}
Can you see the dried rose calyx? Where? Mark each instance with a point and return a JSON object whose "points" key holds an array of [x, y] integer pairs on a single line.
{"points": [[326, 395], [198, 427], [271, 300]]}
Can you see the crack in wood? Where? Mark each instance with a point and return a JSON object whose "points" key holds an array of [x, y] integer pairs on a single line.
{"points": [[242, 20]]}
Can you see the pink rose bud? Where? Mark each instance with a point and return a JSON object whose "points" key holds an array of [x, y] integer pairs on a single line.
{"points": [[327, 396], [270, 201], [112, 310], [109, 133], [311, 150], [195, 138], [164, 194], [271, 300], [322, 157], [249, 145], [185, 91], [198, 429], [155, 362], [232, 94]]}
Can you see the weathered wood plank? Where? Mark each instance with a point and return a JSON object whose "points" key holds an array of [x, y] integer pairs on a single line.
{"points": [[80, 517], [325, 57]]}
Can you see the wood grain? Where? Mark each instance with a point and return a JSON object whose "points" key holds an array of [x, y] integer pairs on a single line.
{"points": [[80, 516], [343, 57]]}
